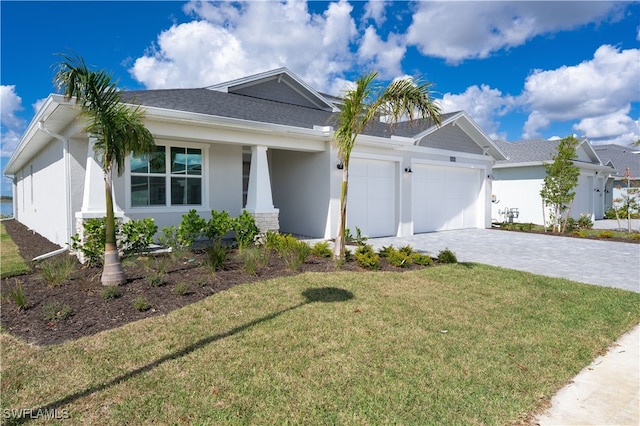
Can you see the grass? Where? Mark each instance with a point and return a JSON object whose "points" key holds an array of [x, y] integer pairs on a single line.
{"points": [[457, 344], [11, 263]]}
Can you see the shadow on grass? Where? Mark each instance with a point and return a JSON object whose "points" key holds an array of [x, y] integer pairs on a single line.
{"points": [[312, 295]]}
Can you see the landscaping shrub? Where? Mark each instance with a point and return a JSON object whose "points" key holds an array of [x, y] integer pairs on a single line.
{"points": [[292, 251], [218, 226], [321, 249], [605, 234], [253, 258], [155, 279], [447, 256], [190, 229], [92, 248], [182, 288], [137, 235], [141, 304], [57, 270], [585, 222], [421, 259], [18, 295], [55, 311], [111, 292], [217, 255], [386, 250], [366, 257], [246, 229], [399, 259]]}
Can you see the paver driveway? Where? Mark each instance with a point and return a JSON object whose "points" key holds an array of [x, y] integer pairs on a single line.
{"points": [[604, 263]]}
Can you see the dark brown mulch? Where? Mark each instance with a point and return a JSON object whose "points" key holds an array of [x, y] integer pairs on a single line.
{"points": [[83, 291]]}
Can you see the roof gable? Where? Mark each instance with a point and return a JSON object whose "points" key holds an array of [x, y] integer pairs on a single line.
{"points": [[620, 157], [279, 85]]}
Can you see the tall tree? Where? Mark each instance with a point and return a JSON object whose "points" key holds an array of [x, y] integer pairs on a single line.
{"points": [[118, 131], [362, 104], [562, 178]]}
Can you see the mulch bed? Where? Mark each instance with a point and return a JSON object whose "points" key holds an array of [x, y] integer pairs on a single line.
{"points": [[83, 291]]}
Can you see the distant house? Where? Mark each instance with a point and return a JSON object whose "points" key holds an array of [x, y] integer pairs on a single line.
{"points": [[517, 181], [261, 143], [620, 158]]}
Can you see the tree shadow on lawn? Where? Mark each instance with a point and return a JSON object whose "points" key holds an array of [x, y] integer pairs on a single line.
{"points": [[312, 295]]}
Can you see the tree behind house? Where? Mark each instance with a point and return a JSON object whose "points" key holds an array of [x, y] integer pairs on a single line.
{"points": [[562, 178]]}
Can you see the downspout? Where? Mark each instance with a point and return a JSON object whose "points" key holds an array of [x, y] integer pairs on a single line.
{"points": [[67, 176]]}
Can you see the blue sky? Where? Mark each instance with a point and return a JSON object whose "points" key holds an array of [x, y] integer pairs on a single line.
{"points": [[521, 70]]}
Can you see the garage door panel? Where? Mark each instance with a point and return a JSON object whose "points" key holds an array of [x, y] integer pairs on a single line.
{"points": [[445, 198], [371, 197]]}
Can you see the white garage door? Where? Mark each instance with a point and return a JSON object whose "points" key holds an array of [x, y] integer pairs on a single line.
{"points": [[445, 198], [371, 201]]}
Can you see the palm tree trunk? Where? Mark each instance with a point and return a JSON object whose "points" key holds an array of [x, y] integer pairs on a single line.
{"points": [[342, 224], [112, 273]]}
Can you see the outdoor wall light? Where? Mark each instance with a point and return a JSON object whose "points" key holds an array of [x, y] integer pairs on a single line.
{"points": [[340, 166], [408, 170], [489, 176], [597, 190], [606, 191]]}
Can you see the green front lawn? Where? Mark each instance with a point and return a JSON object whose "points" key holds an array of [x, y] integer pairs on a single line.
{"points": [[11, 263], [457, 344]]}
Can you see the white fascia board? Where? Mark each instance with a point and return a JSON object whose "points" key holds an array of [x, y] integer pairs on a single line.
{"points": [[524, 164], [166, 116], [377, 141], [33, 140], [448, 153], [590, 151]]}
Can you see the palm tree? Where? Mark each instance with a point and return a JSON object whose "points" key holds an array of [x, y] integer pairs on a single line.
{"points": [[118, 131], [364, 103]]}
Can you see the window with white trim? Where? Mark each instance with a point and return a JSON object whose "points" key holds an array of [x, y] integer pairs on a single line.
{"points": [[176, 168]]}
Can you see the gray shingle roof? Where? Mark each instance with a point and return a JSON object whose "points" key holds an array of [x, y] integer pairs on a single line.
{"points": [[528, 151], [621, 157], [231, 105]]}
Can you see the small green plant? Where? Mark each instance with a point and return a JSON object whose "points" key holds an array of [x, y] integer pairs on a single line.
{"points": [[292, 251], [111, 292], [245, 228], [408, 250], [92, 248], [58, 270], [182, 288], [399, 258], [253, 258], [217, 255], [18, 295], [366, 257], [321, 249], [358, 240], [155, 279], [606, 234], [218, 226], [56, 311], [137, 235], [386, 250], [141, 304], [585, 222], [421, 259], [190, 229], [447, 256]]}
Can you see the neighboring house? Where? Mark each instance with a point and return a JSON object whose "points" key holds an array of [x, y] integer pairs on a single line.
{"points": [[518, 180], [261, 143], [620, 158]]}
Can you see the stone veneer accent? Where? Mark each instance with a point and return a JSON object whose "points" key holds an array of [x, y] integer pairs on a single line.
{"points": [[80, 232], [267, 221]]}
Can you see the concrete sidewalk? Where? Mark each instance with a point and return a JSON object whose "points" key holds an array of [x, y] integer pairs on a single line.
{"points": [[607, 392]]}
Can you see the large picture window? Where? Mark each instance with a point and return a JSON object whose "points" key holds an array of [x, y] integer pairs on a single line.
{"points": [[152, 174]]}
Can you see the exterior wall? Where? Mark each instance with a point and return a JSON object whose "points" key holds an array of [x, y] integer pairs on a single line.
{"points": [[77, 164], [41, 194], [451, 138], [273, 90], [300, 187], [519, 187]]}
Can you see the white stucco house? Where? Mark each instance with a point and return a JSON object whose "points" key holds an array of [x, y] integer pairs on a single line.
{"points": [[621, 158], [517, 181], [261, 143]]}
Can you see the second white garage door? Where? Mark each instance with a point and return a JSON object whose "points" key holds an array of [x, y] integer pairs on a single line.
{"points": [[371, 200], [445, 198]]}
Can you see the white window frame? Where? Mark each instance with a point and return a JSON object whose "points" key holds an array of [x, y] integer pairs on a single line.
{"points": [[168, 207]]}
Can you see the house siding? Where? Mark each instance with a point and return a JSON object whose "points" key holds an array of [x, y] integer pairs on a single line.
{"points": [[451, 138], [279, 92]]}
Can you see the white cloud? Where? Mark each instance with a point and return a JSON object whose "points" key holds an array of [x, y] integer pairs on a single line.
{"points": [[482, 104], [10, 103], [616, 127], [588, 92], [10, 141], [375, 10], [457, 31], [384, 57], [234, 40]]}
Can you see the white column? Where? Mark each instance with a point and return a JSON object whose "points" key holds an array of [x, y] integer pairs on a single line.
{"points": [[259, 198]]}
